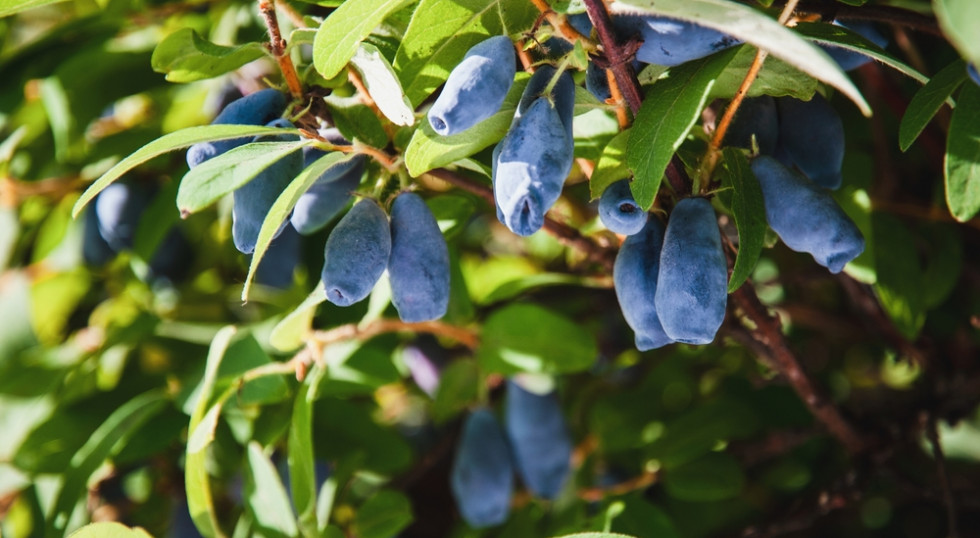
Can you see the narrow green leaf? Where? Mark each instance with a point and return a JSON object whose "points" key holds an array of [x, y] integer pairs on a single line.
{"points": [[757, 28], [596, 535], [284, 204], [442, 31], [10, 7], [206, 183], [185, 56], [196, 480], [165, 144], [109, 529], [289, 333], [777, 78], [338, 37], [943, 265], [105, 441], [928, 100], [749, 211], [960, 23], [670, 109], [382, 84], [963, 156], [838, 36], [266, 497], [383, 515], [302, 475], [429, 150], [714, 477], [899, 285], [611, 166], [527, 338]]}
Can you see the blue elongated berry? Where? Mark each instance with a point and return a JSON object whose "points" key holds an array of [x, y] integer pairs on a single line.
{"points": [[757, 116], [419, 264], [476, 87], [257, 108], [596, 82], [328, 194], [279, 263], [170, 260], [95, 249], [253, 200], [482, 476], [635, 276], [356, 253], [849, 59], [972, 71], [539, 438], [806, 217], [118, 209], [811, 137], [536, 154], [692, 288], [671, 42], [619, 211]]}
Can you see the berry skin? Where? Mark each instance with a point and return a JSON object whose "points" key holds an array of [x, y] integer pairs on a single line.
{"points": [[671, 42], [476, 87], [692, 288], [757, 116], [95, 249], [811, 137], [806, 217], [974, 75], [253, 200], [539, 438], [635, 276], [482, 476], [329, 193], [531, 162], [848, 59], [118, 209], [619, 211], [257, 108], [281, 258], [419, 264], [356, 254]]}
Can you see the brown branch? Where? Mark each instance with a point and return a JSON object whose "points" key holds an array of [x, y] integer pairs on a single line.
{"points": [[561, 25], [619, 57], [874, 13], [277, 46], [352, 331]]}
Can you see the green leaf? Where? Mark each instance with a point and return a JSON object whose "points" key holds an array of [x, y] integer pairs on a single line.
{"points": [[713, 477], [943, 265], [429, 150], [960, 23], [383, 515], [105, 441], [167, 143], [528, 338], [457, 390], [290, 333], [185, 56], [838, 36], [596, 535], [756, 28], [611, 166], [206, 183], [109, 529], [899, 285], [670, 109], [10, 7], [442, 31], [857, 204], [266, 497], [382, 84], [962, 167], [340, 34], [928, 100], [302, 474], [284, 205], [357, 121], [776, 78], [196, 480], [749, 211]]}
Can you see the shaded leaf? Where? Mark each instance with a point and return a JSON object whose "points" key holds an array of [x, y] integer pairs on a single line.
{"points": [[960, 23], [928, 100], [962, 167], [749, 211], [185, 56], [529, 338], [266, 497], [383, 515]]}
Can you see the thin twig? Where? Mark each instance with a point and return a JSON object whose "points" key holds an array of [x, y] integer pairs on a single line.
{"points": [[620, 60], [562, 26], [277, 46], [352, 331]]}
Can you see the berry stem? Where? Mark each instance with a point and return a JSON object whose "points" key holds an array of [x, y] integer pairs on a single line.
{"points": [[561, 25], [277, 46], [620, 62]]}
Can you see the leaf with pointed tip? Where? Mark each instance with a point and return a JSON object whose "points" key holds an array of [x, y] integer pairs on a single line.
{"points": [[928, 100], [185, 56], [963, 156], [340, 34]]}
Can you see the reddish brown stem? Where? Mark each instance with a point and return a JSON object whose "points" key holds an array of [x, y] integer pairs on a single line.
{"points": [[620, 62], [277, 46]]}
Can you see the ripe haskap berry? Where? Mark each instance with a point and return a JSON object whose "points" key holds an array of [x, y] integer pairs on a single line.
{"points": [[328, 194], [806, 217], [539, 439], [848, 59], [972, 71], [476, 87], [757, 116], [281, 258], [419, 264], [811, 137], [356, 253], [534, 157], [118, 209], [635, 276], [671, 42], [253, 200], [482, 476], [258, 108], [95, 249], [619, 211], [692, 288]]}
